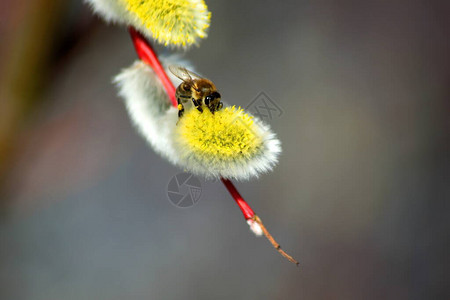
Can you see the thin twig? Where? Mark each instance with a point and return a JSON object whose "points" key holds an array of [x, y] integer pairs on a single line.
{"points": [[273, 242]]}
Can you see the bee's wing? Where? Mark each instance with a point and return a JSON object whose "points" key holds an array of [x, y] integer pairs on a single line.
{"points": [[194, 75], [183, 73]]}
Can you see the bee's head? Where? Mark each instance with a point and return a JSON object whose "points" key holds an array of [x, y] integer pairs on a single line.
{"points": [[211, 97]]}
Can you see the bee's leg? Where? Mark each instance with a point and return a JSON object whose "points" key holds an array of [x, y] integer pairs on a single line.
{"points": [[219, 106], [197, 105], [180, 109]]}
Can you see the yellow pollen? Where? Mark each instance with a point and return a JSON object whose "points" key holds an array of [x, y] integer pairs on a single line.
{"points": [[228, 134], [174, 22]]}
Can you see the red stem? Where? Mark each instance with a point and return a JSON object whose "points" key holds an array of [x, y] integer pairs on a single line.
{"points": [[146, 53], [247, 211]]}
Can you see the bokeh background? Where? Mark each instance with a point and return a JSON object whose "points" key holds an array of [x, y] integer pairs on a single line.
{"points": [[360, 195]]}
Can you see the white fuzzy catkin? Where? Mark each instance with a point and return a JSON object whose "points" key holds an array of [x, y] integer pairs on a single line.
{"points": [[110, 10], [149, 107], [155, 118]]}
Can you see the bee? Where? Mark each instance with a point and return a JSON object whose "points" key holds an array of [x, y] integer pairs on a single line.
{"points": [[201, 91]]}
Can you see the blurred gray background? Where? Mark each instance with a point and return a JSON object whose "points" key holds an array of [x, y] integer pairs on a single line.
{"points": [[360, 195]]}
